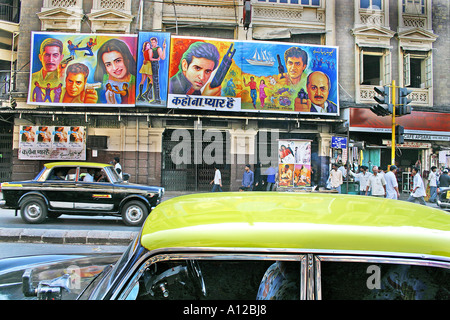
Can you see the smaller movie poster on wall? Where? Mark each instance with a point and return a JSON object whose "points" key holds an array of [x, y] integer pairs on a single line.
{"points": [[52, 143], [294, 163]]}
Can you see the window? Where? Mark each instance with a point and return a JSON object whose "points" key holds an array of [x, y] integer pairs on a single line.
{"points": [[414, 6], [218, 279], [61, 173], [370, 4], [417, 70], [97, 142], [382, 281], [375, 67]]}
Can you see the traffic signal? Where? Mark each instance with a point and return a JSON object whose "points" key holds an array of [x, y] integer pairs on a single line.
{"points": [[383, 108], [399, 132], [247, 14], [403, 101]]}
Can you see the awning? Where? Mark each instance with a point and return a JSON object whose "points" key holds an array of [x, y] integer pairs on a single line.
{"points": [[265, 33]]}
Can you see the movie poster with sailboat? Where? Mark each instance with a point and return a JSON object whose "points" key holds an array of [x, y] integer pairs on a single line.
{"points": [[253, 76]]}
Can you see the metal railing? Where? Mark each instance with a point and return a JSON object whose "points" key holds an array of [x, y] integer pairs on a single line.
{"points": [[9, 13]]}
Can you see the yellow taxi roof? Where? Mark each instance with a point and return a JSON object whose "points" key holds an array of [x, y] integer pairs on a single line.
{"points": [[310, 221], [75, 163]]}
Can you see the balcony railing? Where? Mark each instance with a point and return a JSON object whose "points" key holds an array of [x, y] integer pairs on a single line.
{"points": [[9, 13]]}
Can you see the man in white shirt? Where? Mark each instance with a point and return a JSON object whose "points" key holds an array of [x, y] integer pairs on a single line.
{"points": [[363, 176], [217, 182], [418, 190], [433, 184], [376, 183], [336, 178], [391, 183], [118, 167]]}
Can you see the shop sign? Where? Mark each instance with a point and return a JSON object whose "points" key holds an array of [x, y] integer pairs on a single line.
{"points": [[413, 145]]}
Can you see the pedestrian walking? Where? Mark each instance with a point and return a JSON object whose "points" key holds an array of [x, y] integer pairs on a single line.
{"points": [[247, 179], [271, 175], [117, 166], [336, 179], [444, 179], [376, 183], [433, 184], [217, 181], [418, 190], [391, 183]]}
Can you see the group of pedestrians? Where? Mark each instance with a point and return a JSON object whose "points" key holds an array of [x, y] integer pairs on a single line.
{"points": [[250, 180], [377, 183], [436, 181]]}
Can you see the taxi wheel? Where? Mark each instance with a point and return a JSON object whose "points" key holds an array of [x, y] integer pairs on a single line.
{"points": [[134, 213], [33, 210]]}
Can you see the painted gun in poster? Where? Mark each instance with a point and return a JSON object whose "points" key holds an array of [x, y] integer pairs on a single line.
{"points": [[223, 68], [281, 69]]}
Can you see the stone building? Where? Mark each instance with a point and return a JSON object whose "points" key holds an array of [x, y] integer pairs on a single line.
{"points": [[379, 41]]}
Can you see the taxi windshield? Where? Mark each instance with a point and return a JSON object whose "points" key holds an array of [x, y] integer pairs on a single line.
{"points": [[115, 178]]}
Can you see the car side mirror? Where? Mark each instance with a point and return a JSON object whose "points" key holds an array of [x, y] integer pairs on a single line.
{"points": [[126, 176], [46, 290]]}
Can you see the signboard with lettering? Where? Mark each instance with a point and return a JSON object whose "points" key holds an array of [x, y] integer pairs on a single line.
{"points": [[339, 142]]}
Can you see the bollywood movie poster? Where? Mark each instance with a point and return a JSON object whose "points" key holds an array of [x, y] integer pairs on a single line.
{"points": [[294, 163], [76, 69], [52, 143], [253, 76], [152, 69]]}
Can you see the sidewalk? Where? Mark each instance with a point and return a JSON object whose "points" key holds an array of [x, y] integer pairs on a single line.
{"points": [[90, 237], [65, 236]]}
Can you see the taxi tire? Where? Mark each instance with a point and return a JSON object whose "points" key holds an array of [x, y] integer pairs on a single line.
{"points": [[134, 213], [33, 210]]}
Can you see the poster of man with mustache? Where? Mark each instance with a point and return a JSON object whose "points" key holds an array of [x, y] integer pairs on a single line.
{"points": [[253, 76]]}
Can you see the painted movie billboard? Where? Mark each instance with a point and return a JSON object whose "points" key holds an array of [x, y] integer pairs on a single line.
{"points": [[75, 69], [252, 76], [152, 69]]}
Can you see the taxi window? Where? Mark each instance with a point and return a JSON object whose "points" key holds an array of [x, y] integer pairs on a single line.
{"points": [[221, 279], [92, 175], [62, 174], [374, 281]]}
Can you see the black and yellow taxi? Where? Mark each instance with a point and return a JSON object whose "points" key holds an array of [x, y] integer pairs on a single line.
{"points": [[80, 188]]}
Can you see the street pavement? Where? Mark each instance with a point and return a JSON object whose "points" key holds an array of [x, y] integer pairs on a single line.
{"points": [[103, 232]]}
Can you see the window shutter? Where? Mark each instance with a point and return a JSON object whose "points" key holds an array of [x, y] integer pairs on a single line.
{"points": [[387, 68], [406, 70], [428, 71]]}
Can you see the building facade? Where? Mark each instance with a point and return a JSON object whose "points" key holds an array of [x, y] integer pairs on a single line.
{"points": [[379, 41]]}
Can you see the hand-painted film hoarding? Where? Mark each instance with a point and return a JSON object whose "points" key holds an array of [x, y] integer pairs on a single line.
{"points": [[52, 143], [75, 69], [253, 76], [294, 163], [152, 69]]}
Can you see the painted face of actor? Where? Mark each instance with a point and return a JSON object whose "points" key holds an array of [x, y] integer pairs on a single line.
{"points": [[75, 84], [295, 68], [154, 43], [318, 89], [198, 72], [50, 58], [115, 64]]}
